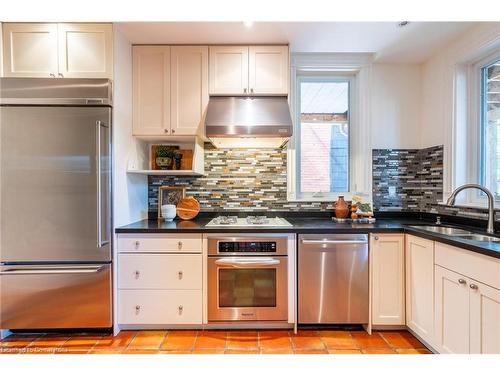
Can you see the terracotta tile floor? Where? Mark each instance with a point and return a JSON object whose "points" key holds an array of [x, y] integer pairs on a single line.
{"points": [[217, 342]]}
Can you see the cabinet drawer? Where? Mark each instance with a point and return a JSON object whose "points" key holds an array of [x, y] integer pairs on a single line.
{"points": [[476, 266], [159, 271], [165, 243], [160, 307]]}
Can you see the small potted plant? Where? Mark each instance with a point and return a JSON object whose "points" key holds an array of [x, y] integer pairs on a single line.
{"points": [[165, 157]]}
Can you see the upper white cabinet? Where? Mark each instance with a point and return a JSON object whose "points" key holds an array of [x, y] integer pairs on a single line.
{"points": [[268, 70], [189, 88], [228, 70], [387, 279], [58, 50], [420, 286], [30, 50], [151, 90], [248, 70], [85, 50], [170, 90]]}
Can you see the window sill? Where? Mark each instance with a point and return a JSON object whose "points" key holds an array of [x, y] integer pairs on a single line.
{"points": [[477, 206], [331, 198]]}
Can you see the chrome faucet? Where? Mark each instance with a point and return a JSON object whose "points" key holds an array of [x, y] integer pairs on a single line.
{"points": [[491, 202]]}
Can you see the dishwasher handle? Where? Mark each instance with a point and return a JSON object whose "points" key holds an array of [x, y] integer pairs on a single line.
{"points": [[335, 242]]}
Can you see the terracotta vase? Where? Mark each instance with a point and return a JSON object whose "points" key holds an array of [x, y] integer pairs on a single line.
{"points": [[341, 208]]}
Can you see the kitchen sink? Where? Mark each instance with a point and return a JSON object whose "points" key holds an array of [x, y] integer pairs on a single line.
{"points": [[448, 231], [479, 238]]}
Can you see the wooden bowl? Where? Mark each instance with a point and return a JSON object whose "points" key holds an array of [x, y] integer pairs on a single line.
{"points": [[188, 208]]}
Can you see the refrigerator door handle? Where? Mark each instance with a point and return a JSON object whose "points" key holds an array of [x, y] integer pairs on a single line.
{"points": [[51, 270], [100, 242]]}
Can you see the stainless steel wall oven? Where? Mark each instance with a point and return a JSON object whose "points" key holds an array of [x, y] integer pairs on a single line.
{"points": [[247, 278]]}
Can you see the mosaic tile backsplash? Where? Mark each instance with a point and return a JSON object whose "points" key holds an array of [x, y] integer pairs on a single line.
{"points": [[238, 180], [412, 180], [255, 180], [407, 180]]}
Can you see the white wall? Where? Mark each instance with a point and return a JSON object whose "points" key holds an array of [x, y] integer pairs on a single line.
{"points": [[130, 191], [395, 106], [439, 85]]}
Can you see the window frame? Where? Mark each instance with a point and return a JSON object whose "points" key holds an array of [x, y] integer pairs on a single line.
{"points": [[360, 156], [323, 76], [475, 132]]}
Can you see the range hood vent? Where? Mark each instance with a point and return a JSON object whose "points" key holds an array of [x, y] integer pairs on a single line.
{"points": [[248, 122]]}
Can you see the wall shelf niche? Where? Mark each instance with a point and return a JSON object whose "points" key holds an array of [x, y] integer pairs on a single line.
{"points": [[139, 160]]}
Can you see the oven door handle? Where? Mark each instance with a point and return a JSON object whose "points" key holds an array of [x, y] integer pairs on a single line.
{"points": [[247, 262]]}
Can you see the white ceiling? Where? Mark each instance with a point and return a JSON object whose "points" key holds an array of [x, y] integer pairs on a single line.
{"points": [[414, 43]]}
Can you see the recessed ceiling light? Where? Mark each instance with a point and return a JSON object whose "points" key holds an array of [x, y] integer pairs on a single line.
{"points": [[248, 23], [403, 23]]}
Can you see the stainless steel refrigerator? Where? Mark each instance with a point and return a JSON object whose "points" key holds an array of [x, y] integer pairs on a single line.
{"points": [[55, 239]]}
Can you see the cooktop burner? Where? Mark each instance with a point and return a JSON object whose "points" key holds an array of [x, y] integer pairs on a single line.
{"points": [[235, 221]]}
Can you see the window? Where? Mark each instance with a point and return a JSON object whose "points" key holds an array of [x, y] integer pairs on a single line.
{"points": [[322, 134], [329, 153], [323, 142], [489, 118]]}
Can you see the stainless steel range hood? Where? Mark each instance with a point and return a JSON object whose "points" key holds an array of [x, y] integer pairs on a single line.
{"points": [[248, 122]]}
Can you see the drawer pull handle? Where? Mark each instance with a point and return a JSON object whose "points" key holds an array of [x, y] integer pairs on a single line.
{"points": [[461, 281], [180, 275], [179, 244], [137, 274], [180, 309], [473, 286], [137, 309], [137, 243]]}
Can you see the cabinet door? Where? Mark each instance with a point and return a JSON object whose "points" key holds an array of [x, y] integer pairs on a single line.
{"points": [[484, 319], [189, 88], [228, 70], [268, 70], [452, 312], [420, 286], [85, 50], [30, 49], [387, 258], [151, 90]]}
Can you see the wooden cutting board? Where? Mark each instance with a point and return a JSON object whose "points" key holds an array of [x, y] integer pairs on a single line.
{"points": [[188, 208]]}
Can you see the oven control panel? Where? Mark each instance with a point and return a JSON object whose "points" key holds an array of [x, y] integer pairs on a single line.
{"points": [[247, 247]]}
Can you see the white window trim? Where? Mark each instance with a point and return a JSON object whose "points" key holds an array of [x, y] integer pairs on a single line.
{"points": [[467, 129], [360, 159]]}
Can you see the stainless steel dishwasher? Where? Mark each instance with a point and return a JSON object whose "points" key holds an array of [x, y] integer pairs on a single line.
{"points": [[333, 279]]}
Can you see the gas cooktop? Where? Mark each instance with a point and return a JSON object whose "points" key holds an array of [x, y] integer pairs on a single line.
{"points": [[249, 221]]}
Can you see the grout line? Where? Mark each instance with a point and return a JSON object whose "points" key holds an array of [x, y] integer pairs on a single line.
{"points": [[167, 334]]}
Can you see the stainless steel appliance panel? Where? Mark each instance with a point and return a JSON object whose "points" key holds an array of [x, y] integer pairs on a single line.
{"points": [[214, 241], [248, 117], [56, 296], [55, 91], [247, 289], [333, 279], [56, 184]]}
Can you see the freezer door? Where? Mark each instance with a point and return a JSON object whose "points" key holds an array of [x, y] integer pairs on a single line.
{"points": [[55, 184], [69, 296]]}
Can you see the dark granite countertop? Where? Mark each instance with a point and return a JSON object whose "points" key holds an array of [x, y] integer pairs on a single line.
{"points": [[321, 225]]}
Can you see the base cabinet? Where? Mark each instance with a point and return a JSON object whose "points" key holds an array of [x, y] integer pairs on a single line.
{"points": [[160, 279], [452, 312], [160, 307], [419, 259], [484, 319], [467, 300], [387, 279]]}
